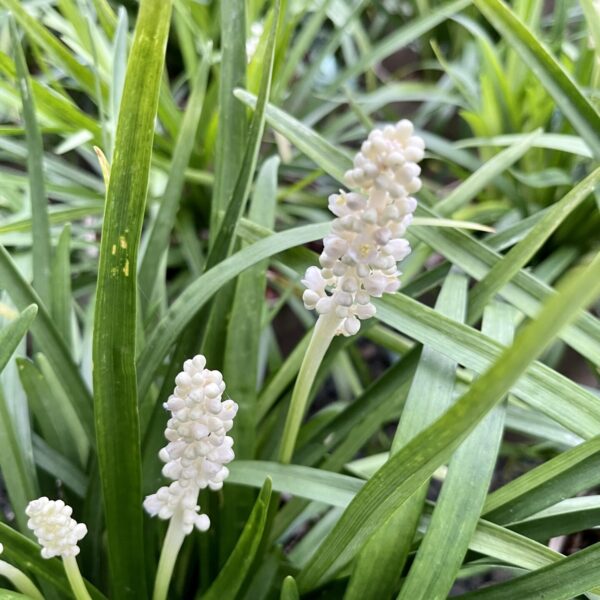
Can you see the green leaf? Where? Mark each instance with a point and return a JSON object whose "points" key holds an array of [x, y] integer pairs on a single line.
{"points": [[505, 269], [236, 202], [231, 134], [49, 341], [397, 40], [541, 387], [61, 285], [406, 471], [463, 492], [567, 474], [158, 240], [289, 589], [552, 141], [524, 291], [243, 338], [35, 169], [115, 388], [577, 109], [380, 563], [305, 482], [16, 461], [331, 159], [242, 349], [561, 580], [476, 182], [232, 575], [52, 45]]}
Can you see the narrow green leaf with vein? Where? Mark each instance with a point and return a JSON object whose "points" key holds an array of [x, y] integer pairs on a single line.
{"points": [[465, 487], [16, 461], [562, 580], [61, 285], [232, 575], [380, 563], [405, 472], [115, 388], [244, 329], [237, 198], [242, 349], [57, 50], [567, 474], [158, 240], [49, 341], [518, 256], [469, 188], [231, 135], [57, 466], [330, 158], [541, 387], [398, 39], [35, 168], [305, 482], [552, 141], [576, 107], [524, 291]]}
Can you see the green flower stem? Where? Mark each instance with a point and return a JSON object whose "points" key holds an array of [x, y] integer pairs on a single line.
{"points": [[168, 556], [20, 580], [321, 339], [75, 579]]}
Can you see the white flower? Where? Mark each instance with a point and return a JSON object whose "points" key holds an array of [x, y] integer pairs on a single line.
{"points": [[388, 160], [256, 31], [198, 447], [54, 528], [366, 241]]}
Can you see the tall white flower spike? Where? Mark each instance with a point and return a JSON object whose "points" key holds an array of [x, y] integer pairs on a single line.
{"points": [[361, 252], [58, 535], [56, 531], [198, 448], [195, 458], [359, 256]]}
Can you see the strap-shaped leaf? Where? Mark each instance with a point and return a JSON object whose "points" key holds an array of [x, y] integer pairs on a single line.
{"points": [[114, 375]]}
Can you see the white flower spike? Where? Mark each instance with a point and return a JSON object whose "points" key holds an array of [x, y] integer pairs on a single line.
{"points": [[198, 448], [359, 258], [56, 531]]}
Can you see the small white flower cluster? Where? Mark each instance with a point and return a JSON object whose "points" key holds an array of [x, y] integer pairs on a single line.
{"points": [[198, 447], [54, 528], [256, 31], [359, 258]]}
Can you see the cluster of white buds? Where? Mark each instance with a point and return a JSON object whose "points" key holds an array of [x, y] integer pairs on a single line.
{"points": [[256, 31], [359, 256], [56, 531], [198, 448]]}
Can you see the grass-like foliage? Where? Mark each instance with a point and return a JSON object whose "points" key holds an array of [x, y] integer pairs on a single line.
{"points": [[167, 172]]}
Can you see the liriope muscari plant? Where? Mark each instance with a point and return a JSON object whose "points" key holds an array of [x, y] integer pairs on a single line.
{"points": [[58, 534], [361, 252], [195, 457]]}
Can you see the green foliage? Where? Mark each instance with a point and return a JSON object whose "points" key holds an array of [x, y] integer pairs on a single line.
{"points": [[164, 172]]}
